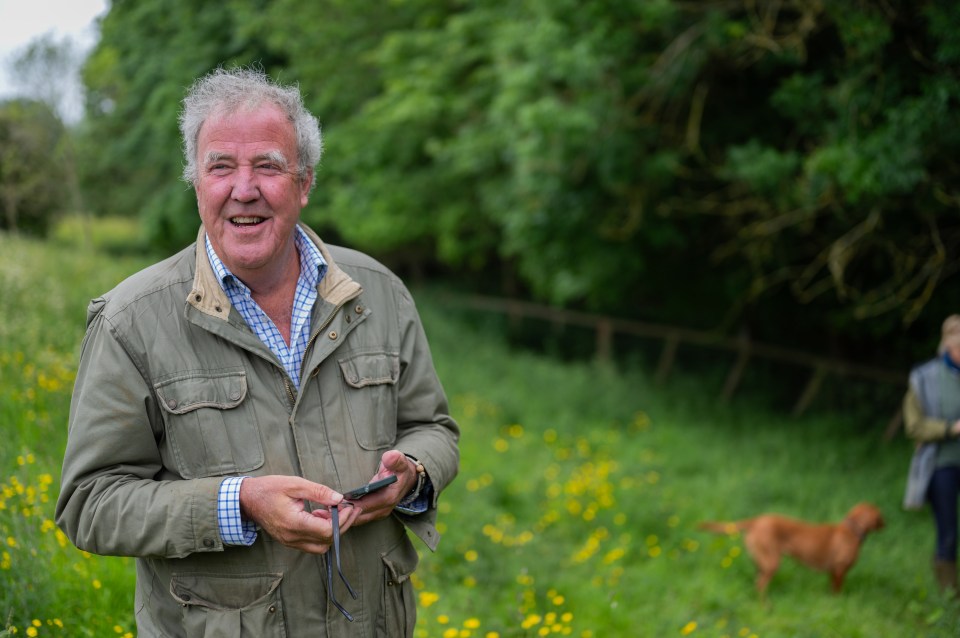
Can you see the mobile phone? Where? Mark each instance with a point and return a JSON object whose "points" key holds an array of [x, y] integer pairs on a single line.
{"points": [[370, 487]]}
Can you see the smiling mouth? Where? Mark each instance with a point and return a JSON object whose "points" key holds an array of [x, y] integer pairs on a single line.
{"points": [[247, 221]]}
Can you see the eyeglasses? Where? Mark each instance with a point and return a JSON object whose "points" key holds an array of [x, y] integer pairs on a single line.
{"points": [[335, 521]]}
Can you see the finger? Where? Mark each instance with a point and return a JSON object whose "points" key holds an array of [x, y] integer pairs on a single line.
{"points": [[302, 489], [321, 513], [306, 532], [394, 461], [349, 516]]}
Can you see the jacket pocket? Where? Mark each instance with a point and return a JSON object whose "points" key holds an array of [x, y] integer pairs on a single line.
{"points": [[398, 611], [212, 429], [371, 396], [212, 605]]}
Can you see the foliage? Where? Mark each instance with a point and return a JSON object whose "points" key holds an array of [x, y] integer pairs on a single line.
{"points": [[780, 163], [46, 70], [575, 511], [47, 587], [32, 171]]}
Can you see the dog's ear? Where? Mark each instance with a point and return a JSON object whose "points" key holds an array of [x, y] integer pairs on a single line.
{"points": [[865, 518]]}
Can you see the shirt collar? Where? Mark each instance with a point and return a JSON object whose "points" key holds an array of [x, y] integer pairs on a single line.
{"points": [[950, 363], [312, 264]]}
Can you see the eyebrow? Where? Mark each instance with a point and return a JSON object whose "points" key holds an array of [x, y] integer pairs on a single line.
{"points": [[271, 156]]}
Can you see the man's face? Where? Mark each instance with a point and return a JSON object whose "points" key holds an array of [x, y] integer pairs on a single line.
{"points": [[248, 191]]}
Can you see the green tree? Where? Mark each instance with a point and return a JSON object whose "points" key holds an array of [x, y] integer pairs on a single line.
{"points": [[31, 174], [777, 162], [46, 69], [737, 165]]}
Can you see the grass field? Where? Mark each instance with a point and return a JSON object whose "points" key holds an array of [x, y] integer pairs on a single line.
{"points": [[575, 512]]}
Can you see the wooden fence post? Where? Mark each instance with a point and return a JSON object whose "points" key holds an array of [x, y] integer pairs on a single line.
{"points": [[667, 355], [893, 425], [810, 391], [736, 372], [604, 340]]}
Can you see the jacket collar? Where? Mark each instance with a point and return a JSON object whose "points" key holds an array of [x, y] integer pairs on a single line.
{"points": [[208, 296]]}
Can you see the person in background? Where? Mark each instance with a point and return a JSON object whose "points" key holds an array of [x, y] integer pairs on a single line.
{"points": [[931, 411], [229, 396]]}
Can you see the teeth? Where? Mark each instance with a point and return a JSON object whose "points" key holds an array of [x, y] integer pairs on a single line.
{"points": [[247, 220]]}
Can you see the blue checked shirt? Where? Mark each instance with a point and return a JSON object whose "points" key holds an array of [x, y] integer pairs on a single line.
{"points": [[312, 270], [233, 529]]}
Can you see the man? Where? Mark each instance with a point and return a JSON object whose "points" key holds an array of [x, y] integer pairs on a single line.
{"points": [[229, 395]]}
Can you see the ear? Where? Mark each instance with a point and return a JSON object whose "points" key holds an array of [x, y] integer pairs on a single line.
{"points": [[865, 519], [305, 184]]}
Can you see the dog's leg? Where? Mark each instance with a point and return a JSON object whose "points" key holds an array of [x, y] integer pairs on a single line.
{"points": [[836, 579], [765, 557], [764, 576]]}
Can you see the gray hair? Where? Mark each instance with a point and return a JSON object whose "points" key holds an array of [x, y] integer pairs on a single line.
{"points": [[223, 91]]}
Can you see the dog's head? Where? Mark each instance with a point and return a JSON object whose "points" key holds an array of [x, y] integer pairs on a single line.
{"points": [[864, 518]]}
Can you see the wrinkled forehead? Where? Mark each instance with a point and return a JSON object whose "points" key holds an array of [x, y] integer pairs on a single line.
{"points": [[261, 129]]}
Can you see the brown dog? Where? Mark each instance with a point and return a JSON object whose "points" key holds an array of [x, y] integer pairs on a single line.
{"points": [[832, 548]]}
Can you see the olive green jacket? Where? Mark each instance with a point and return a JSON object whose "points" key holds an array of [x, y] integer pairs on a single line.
{"points": [[175, 392]]}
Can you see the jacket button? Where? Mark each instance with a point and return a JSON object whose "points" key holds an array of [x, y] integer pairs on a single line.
{"points": [[198, 297], [389, 583], [208, 542], [272, 609], [235, 395], [358, 309], [333, 334], [172, 404]]}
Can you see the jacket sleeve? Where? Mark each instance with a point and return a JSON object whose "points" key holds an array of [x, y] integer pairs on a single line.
{"points": [[425, 429], [919, 426], [113, 500]]}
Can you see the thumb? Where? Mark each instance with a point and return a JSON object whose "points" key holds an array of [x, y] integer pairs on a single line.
{"points": [[394, 461]]}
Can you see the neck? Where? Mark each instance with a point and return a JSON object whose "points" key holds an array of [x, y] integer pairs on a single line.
{"points": [[861, 535], [278, 275]]}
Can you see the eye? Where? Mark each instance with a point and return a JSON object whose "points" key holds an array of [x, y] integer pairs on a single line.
{"points": [[218, 168]]}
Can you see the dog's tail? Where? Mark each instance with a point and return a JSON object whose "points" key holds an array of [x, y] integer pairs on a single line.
{"points": [[725, 527]]}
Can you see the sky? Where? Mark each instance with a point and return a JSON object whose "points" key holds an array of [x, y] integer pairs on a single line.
{"points": [[21, 22]]}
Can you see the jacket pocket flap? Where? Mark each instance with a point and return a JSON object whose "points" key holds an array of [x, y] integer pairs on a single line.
{"points": [[371, 368], [216, 591], [221, 389], [401, 561]]}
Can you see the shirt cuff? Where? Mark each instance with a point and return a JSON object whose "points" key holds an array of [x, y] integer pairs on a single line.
{"points": [[233, 529], [417, 503]]}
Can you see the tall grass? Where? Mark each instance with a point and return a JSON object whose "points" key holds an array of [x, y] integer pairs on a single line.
{"points": [[575, 512]]}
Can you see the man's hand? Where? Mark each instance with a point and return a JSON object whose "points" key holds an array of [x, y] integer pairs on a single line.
{"points": [[277, 504], [381, 503]]}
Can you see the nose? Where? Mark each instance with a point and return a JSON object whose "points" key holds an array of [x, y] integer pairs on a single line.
{"points": [[246, 187]]}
